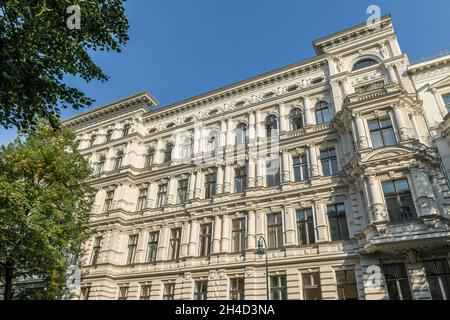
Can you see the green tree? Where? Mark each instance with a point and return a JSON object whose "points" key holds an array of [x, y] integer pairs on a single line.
{"points": [[37, 49], [44, 208]]}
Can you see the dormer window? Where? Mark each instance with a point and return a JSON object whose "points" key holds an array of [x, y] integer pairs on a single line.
{"points": [[269, 95], [364, 64], [213, 112], [292, 88]]}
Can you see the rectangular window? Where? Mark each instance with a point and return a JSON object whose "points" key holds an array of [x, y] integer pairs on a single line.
{"points": [[300, 164], [338, 222], [278, 288], [108, 135], [274, 230], [205, 239], [162, 196], [149, 158], [182, 191], [152, 248], [446, 98], [123, 293], [210, 185], [174, 244], [397, 282], [399, 201], [96, 250], [237, 289], [92, 140], [108, 201], [438, 276], [240, 179], [145, 292], [311, 286], [381, 132], [132, 245], [125, 131], [169, 291], [273, 173], [238, 235], [346, 285], [201, 290], [329, 162], [305, 226], [142, 199], [85, 291]]}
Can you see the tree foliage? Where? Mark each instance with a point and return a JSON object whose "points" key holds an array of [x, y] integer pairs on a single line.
{"points": [[44, 207], [37, 49]]}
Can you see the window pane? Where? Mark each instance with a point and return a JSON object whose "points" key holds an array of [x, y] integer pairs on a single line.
{"points": [[377, 141], [389, 137]]}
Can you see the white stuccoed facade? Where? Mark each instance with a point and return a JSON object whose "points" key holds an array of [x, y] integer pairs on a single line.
{"points": [[354, 211]]}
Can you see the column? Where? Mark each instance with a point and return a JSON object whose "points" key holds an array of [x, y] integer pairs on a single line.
{"points": [[159, 152], [309, 118], [313, 162], [289, 226], [193, 239], [172, 190], [360, 132], [152, 190], [258, 124], [162, 244], [198, 184], [286, 166], [251, 226], [185, 239], [259, 173], [229, 133], [251, 172], [217, 234], [321, 220], [225, 234], [227, 182], [338, 95], [251, 126], [223, 133], [282, 115], [378, 211], [403, 122], [392, 75], [191, 186], [426, 199], [219, 184]]}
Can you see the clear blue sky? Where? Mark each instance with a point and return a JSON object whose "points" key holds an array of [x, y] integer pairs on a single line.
{"points": [[180, 48]]}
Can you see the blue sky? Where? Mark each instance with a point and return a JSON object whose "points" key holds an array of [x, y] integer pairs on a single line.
{"points": [[180, 48]]}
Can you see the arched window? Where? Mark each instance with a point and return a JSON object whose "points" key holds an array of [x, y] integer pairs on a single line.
{"points": [[323, 113], [149, 157], [126, 130], [296, 119], [271, 126], [241, 133], [186, 150], [118, 160], [100, 165], [361, 64], [168, 153]]}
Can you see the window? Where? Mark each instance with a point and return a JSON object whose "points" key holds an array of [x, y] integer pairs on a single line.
{"points": [[210, 185], [174, 243], [118, 160], [241, 133], [123, 293], [364, 64], [446, 98], [100, 165], [237, 289], [182, 191], [96, 250], [108, 201], [274, 230], [92, 140], [212, 143], [271, 126], [213, 112], [126, 130], [397, 282], [201, 290], [162, 196], [323, 114], [150, 157], [296, 119], [300, 164], [142, 199], [311, 286], [186, 150], [152, 249], [85, 291], [278, 288], [346, 285], [305, 226], [170, 125], [438, 275], [168, 153], [240, 179], [329, 162], [132, 245], [381, 133], [399, 201], [169, 291], [108, 136], [146, 289], [273, 173], [238, 235], [269, 95], [338, 222], [205, 239]]}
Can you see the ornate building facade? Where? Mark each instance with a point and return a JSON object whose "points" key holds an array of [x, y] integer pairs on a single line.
{"points": [[328, 164]]}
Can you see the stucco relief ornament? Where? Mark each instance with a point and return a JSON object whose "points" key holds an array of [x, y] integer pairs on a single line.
{"points": [[379, 212], [249, 271], [212, 274], [362, 142], [405, 133], [314, 169]]}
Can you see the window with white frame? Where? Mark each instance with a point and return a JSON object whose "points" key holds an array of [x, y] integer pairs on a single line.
{"points": [[152, 246], [201, 290], [168, 153], [210, 185], [300, 165], [438, 276], [186, 150], [241, 133], [311, 286], [305, 226], [381, 132], [123, 293], [238, 235], [322, 112], [145, 291], [169, 291], [273, 172], [182, 190], [108, 201], [346, 285], [142, 199], [338, 222], [126, 130], [161, 199], [397, 281], [92, 140], [132, 247], [100, 165], [240, 179], [399, 201], [329, 162], [118, 160], [108, 135], [149, 157], [96, 250], [271, 126], [205, 239], [174, 243], [274, 230], [237, 289], [278, 287], [296, 119]]}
